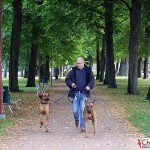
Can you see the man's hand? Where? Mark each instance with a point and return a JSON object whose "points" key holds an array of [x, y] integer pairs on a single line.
{"points": [[73, 85], [87, 88]]}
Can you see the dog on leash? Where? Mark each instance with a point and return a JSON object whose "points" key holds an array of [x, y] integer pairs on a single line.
{"points": [[45, 107], [90, 114]]}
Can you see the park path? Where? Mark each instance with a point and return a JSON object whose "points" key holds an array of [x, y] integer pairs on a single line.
{"points": [[114, 132]]}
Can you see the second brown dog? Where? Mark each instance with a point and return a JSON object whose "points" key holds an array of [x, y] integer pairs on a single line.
{"points": [[90, 114], [45, 107]]}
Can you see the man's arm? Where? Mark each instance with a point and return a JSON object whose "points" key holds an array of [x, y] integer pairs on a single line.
{"points": [[68, 79], [92, 81]]}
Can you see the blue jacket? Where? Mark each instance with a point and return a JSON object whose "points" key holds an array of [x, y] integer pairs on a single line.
{"points": [[71, 78]]}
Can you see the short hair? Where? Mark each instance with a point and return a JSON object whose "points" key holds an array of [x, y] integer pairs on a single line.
{"points": [[80, 58]]}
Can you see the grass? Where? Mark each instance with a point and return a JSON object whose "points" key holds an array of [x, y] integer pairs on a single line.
{"points": [[22, 84], [137, 108], [5, 123], [12, 118]]}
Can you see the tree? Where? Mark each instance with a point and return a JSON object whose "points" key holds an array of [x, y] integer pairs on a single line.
{"points": [[145, 68], [148, 94], [6, 34], [135, 16], [97, 56], [15, 46], [139, 67], [103, 61], [109, 43], [123, 70], [34, 52]]}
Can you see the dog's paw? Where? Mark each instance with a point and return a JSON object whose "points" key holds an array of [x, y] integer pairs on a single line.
{"points": [[41, 124], [86, 136], [46, 129]]}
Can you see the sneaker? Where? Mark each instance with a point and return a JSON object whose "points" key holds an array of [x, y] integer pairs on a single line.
{"points": [[82, 129], [76, 123]]}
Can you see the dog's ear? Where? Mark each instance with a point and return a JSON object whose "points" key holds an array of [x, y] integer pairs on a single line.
{"points": [[51, 93], [93, 101], [40, 96]]}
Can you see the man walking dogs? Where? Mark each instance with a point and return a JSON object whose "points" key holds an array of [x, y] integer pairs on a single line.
{"points": [[80, 80]]}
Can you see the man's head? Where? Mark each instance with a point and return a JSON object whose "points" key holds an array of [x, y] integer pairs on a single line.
{"points": [[80, 63]]}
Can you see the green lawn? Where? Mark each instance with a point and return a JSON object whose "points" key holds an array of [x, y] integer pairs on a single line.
{"points": [[5, 123], [137, 108], [22, 84]]}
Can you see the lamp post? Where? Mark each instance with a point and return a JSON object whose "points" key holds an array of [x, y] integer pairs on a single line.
{"points": [[2, 116]]}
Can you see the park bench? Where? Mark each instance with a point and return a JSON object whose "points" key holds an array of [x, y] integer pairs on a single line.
{"points": [[7, 100], [46, 85]]}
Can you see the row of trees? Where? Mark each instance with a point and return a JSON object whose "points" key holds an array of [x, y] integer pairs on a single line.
{"points": [[109, 30]]}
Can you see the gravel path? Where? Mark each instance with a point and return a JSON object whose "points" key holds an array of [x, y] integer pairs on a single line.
{"points": [[113, 130]]}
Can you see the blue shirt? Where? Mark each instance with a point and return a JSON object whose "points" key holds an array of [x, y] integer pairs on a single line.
{"points": [[80, 79]]}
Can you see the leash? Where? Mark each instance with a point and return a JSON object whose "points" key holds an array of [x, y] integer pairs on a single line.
{"points": [[60, 98], [64, 96], [69, 98]]}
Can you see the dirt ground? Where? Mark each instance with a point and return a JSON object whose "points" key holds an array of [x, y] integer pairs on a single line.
{"points": [[114, 132]]}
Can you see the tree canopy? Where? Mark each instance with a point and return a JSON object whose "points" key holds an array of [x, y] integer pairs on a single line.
{"points": [[65, 30]]}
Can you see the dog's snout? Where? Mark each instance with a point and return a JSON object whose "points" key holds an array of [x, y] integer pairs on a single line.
{"points": [[89, 110]]}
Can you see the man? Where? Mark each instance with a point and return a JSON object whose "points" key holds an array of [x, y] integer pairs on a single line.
{"points": [[80, 80]]}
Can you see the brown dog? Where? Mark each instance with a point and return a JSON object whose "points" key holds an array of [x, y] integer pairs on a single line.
{"points": [[45, 107], [90, 114]]}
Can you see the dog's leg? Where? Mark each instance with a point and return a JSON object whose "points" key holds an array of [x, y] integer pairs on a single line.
{"points": [[94, 121], [41, 120], [47, 120], [86, 133]]}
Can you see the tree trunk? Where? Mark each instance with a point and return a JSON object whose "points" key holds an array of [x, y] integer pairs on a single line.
{"points": [[34, 52], [139, 67], [123, 68], [90, 58], [5, 71], [109, 43], [102, 68], [47, 72], [56, 72], [97, 57], [106, 80], [148, 94], [15, 46], [32, 66], [117, 67], [25, 73], [42, 72], [21, 73], [126, 70], [145, 68], [134, 46]]}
